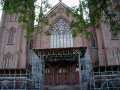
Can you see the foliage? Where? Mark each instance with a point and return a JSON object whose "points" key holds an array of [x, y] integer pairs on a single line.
{"points": [[114, 21], [25, 11], [115, 28], [96, 9], [42, 19], [80, 24]]}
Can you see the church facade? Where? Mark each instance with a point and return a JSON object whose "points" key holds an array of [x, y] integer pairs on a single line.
{"points": [[58, 61]]}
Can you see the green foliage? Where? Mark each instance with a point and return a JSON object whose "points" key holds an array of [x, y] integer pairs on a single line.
{"points": [[25, 11], [80, 25], [96, 9], [42, 20], [115, 28]]}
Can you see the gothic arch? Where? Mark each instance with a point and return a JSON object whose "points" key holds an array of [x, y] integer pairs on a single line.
{"points": [[61, 35], [11, 34], [94, 40], [7, 60]]}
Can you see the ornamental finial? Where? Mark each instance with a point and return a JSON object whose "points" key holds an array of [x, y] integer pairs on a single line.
{"points": [[60, 0]]}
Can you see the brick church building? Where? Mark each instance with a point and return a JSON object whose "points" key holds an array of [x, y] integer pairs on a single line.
{"points": [[58, 61]]}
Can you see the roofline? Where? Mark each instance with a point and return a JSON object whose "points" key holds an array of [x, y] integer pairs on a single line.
{"points": [[54, 7], [83, 47]]}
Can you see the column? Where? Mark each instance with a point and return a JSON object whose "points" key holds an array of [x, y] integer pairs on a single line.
{"points": [[42, 73], [37, 70], [79, 69]]}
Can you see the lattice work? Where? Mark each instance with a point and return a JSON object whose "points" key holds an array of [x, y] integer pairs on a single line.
{"points": [[107, 78], [61, 51], [15, 79]]}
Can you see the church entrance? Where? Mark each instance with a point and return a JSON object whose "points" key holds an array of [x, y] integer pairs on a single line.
{"points": [[61, 68], [61, 71]]}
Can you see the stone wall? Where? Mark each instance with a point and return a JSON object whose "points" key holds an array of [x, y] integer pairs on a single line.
{"points": [[13, 44]]}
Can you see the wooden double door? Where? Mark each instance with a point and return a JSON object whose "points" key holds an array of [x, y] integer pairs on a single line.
{"points": [[62, 74]]}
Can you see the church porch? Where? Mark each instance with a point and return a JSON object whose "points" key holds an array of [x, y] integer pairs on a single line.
{"points": [[61, 68]]}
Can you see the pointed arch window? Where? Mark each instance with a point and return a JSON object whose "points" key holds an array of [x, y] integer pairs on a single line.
{"points": [[94, 41], [11, 34], [61, 35], [11, 18], [7, 60]]}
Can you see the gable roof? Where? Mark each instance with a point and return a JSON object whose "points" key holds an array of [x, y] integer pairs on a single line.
{"points": [[56, 6]]}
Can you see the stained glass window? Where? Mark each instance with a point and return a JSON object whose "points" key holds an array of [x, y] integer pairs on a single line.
{"points": [[61, 35]]}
